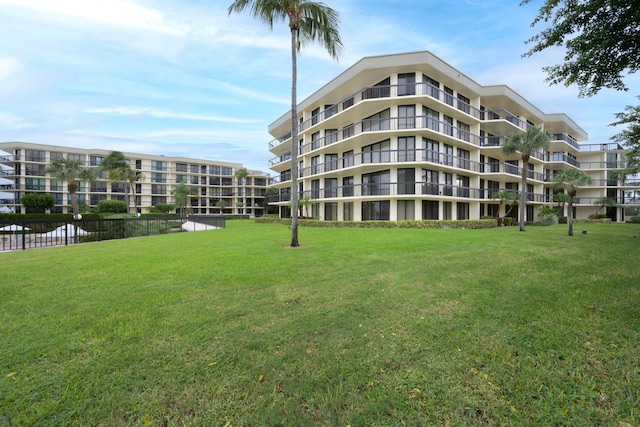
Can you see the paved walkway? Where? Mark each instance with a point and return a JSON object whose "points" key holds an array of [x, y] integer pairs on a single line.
{"points": [[196, 226]]}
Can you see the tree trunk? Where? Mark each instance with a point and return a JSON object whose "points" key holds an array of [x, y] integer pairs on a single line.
{"points": [[523, 193], [72, 186], [126, 194], [570, 217], [294, 139]]}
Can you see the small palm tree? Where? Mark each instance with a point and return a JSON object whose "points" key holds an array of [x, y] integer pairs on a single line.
{"points": [[181, 193], [525, 143], [241, 175], [605, 201], [118, 168], [72, 171], [561, 199], [308, 21], [508, 197], [571, 179], [221, 204]]}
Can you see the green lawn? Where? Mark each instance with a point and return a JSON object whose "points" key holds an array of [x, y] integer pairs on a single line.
{"points": [[359, 327]]}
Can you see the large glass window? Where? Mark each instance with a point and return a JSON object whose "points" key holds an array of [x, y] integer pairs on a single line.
{"points": [[95, 160], [376, 210], [464, 131], [406, 149], [330, 187], [463, 159], [406, 209], [464, 104], [158, 166], [158, 177], [463, 186], [448, 184], [432, 153], [347, 159], [448, 154], [432, 86], [331, 211], [376, 183], [347, 186], [430, 179], [432, 118], [181, 167], [406, 116], [376, 153], [406, 181], [406, 84], [34, 156], [380, 90], [35, 184], [448, 95], [330, 162], [429, 209], [376, 122], [462, 210], [34, 170], [347, 211]]}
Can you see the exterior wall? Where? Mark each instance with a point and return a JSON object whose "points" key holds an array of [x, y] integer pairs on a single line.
{"points": [[214, 180], [409, 137]]}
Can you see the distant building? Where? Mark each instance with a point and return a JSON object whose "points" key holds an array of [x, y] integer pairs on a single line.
{"points": [[408, 136], [25, 164]]}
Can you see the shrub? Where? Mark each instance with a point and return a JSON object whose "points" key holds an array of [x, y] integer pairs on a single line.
{"points": [[111, 206], [634, 219], [597, 216], [39, 202], [162, 208], [420, 224]]}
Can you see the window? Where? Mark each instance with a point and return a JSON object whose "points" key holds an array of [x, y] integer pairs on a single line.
{"points": [[181, 167], [376, 153], [193, 180], [463, 186], [330, 162], [405, 209], [158, 166], [98, 187], [448, 125], [376, 210], [227, 171], [463, 159], [376, 183], [462, 210], [56, 185], [347, 186], [330, 110], [214, 170], [448, 95], [432, 118], [376, 122], [348, 131], [511, 166], [95, 199], [34, 156], [117, 187], [158, 189], [138, 164], [406, 84], [448, 154], [315, 161], [347, 159], [330, 187], [433, 86], [54, 155], [406, 149], [315, 116], [95, 160], [330, 136], [406, 181], [429, 209], [35, 184], [158, 177], [158, 199], [464, 131], [432, 153], [347, 211], [34, 170], [315, 143], [346, 104], [380, 90], [77, 157], [406, 116], [331, 211], [315, 189], [430, 179], [448, 184], [446, 210], [464, 104], [227, 181]]}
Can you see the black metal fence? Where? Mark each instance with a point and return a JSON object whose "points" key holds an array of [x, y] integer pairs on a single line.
{"points": [[29, 234]]}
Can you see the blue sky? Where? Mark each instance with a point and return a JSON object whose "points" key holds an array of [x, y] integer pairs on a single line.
{"points": [[181, 77]]}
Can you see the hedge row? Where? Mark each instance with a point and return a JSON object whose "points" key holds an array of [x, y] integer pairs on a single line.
{"points": [[634, 219], [592, 221], [425, 224]]}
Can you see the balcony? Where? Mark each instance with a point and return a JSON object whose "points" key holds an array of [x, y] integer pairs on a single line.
{"points": [[566, 138], [399, 91]]}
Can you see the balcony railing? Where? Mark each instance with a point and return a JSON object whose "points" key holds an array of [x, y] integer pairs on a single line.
{"points": [[566, 138], [417, 188], [394, 91]]}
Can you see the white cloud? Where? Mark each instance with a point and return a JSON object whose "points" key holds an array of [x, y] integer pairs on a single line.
{"points": [[114, 12], [11, 121], [153, 112], [8, 67]]}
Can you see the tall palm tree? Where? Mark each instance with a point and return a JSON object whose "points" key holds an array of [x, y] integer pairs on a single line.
{"points": [[117, 167], [133, 177], [241, 174], [571, 179], [508, 197], [72, 171], [525, 143], [308, 21]]}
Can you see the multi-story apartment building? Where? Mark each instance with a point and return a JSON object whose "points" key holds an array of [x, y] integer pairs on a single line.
{"points": [[25, 164], [408, 136]]}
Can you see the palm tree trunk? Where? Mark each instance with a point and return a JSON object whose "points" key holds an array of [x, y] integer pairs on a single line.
{"points": [[72, 187], [570, 217], [523, 194], [294, 139], [126, 194]]}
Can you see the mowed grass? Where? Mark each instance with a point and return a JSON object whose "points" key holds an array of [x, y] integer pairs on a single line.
{"points": [[359, 327]]}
